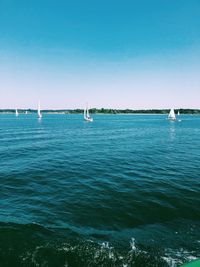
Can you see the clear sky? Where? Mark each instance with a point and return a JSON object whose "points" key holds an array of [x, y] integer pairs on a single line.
{"points": [[109, 53]]}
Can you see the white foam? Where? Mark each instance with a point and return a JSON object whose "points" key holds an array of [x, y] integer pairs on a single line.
{"points": [[105, 245], [191, 258], [111, 255], [170, 261], [132, 244]]}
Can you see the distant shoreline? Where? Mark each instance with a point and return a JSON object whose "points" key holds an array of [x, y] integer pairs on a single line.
{"points": [[105, 111]]}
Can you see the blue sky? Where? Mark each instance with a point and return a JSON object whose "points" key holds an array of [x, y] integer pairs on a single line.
{"points": [[116, 54]]}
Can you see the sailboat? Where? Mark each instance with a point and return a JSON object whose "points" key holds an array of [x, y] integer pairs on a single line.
{"points": [[16, 113], [172, 116], [87, 115], [26, 112], [39, 111], [179, 116]]}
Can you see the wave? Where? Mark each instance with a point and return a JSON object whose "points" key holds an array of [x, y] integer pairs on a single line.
{"points": [[37, 246]]}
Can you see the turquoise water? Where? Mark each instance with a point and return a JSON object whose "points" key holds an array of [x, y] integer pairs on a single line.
{"points": [[121, 191]]}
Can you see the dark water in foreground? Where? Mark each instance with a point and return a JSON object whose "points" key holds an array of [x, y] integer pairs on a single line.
{"points": [[121, 191]]}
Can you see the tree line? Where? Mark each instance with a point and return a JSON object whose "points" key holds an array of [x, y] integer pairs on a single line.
{"points": [[106, 111]]}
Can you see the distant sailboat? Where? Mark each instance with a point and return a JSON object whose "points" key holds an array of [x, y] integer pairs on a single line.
{"points": [[87, 115], [16, 113], [179, 116], [39, 111], [172, 116], [26, 112]]}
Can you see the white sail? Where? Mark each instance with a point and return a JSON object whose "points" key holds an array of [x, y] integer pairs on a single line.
{"points": [[178, 113], [39, 111], [87, 115], [172, 115], [26, 112], [16, 113]]}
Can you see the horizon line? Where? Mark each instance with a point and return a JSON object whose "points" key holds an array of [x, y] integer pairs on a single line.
{"points": [[67, 109]]}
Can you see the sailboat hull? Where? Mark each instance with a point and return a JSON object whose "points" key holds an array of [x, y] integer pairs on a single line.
{"points": [[88, 119], [39, 115], [172, 119]]}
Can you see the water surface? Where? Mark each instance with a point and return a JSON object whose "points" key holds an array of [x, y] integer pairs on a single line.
{"points": [[121, 191]]}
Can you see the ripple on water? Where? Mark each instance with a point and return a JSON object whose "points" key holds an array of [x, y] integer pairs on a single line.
{"points": [[117, 178]]}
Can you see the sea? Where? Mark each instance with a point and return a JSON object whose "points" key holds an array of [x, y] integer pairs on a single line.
{"points": [[121, 191]]}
